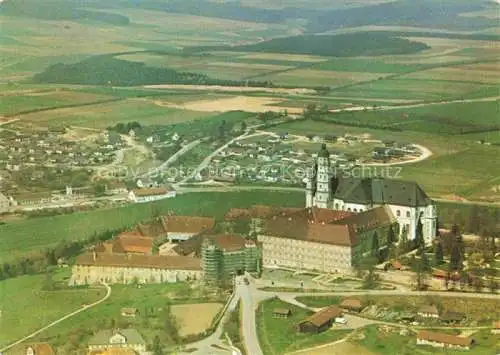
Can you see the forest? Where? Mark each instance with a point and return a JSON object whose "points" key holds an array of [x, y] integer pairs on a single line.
{"points": [[342, 45], [107, 70]]}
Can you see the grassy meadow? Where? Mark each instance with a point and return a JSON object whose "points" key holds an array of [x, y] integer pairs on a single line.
{"points": [[26, 306], [277, 335], [23, 236]]}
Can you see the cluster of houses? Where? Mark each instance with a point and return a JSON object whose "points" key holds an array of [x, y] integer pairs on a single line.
{"points": [[105, 342], [47, 147], [263, 161], [395, 151]]}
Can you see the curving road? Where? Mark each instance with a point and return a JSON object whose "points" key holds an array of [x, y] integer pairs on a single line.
{"points": [[251, 297], [84, 308]]}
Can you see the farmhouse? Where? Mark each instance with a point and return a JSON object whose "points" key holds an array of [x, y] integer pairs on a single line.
{"points": [[117, 339], [150, 194], [320, 321], [32, 349], [93, 268], [407, 201], [129, 312], [429, 311], [443, 340], [452, 317], [282, 312], [351, 305], [322, 239]]}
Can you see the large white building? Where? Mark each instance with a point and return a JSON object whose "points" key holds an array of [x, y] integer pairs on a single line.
{"points": [[150, 194], [406, 200]]}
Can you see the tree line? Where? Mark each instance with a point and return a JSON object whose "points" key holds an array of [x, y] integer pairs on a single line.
{"points": [[40, 262]]}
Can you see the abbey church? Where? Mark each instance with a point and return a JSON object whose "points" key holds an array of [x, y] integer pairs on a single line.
{"points": [[406, 200]]}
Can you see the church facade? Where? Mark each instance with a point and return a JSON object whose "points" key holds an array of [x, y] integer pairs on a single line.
{"points": [[408, 203]]}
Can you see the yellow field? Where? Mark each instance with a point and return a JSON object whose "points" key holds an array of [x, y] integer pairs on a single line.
{"points": [[195, 318], [245, 103]]}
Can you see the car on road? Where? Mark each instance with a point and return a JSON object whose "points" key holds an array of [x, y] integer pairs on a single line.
{"points": [[340, 320], [245, 280]]}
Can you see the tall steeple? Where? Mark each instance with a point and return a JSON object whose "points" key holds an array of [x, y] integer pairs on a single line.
{"points": [[323, 177]]}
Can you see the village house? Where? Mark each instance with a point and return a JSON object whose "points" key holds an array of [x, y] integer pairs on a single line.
{"points": [[429, 311], [150, 194], [129, 312], [452, 317], [94, 268], [320, 321], [443, 340], [351, 305], [121, 339], [32, 349], [282, 312]]}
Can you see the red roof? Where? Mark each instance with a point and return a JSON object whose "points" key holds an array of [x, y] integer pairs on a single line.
{"points": [[444, 338]]}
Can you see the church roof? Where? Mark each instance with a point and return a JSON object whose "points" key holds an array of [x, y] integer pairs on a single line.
{"points": [[381, 191]]}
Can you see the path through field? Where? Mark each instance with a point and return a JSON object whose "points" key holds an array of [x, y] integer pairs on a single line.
{"points": [[84, 308]]}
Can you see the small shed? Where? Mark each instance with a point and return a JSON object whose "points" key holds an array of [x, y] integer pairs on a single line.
{"points": [[129, 312], [452, 317], [282, 312], [351, 305]]}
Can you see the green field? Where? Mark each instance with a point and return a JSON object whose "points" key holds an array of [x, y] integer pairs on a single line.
{"points": [[26, 306], [278, 336], [381, 342], [453, 118], [149, 297], [100, 116], [459, 164], [16, 103], [20, 237]]}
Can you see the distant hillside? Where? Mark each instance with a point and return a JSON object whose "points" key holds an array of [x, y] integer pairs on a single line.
{"points": [[107, 70], [68, 10], [443, 14], [342, 45]]}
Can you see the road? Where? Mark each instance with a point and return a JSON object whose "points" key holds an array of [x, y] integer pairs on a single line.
{"points": [[251, 297], [209, 158], [84, 308], [173, 158], [248, 323]]}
